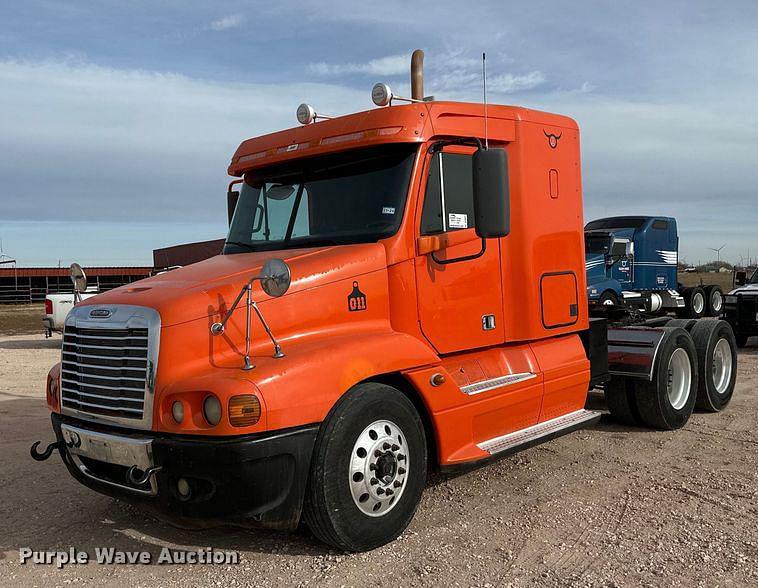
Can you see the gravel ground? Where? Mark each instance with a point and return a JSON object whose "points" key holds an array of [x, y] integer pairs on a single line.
{"points": [[606, 506]]}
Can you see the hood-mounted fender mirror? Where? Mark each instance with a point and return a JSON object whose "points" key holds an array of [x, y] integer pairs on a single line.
{"points": [[275, 279], [79, 280]]}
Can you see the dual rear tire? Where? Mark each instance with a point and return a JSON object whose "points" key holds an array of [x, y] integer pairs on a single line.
{"points": [[693, 368]]}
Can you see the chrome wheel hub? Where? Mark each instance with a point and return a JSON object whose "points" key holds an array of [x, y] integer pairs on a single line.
{"points": [[721, 368], [679, 378], [698, 302], [378, 468], [716, 301]]}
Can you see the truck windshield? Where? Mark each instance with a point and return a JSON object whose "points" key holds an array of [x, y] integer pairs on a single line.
{"points": [[754, 279], [350, 197]]}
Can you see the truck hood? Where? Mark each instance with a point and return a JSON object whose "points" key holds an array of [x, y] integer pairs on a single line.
{"points": [[746, 289], [202, 289], [595, 266]]}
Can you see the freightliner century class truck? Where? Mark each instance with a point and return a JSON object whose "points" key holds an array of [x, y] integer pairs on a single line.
{"points": [[402, 289], [632, 261]]}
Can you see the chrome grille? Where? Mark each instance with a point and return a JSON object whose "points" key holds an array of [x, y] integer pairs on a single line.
{"points": [[108, 364], [104, 371]]}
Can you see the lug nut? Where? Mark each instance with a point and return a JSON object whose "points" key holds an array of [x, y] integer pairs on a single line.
{"points": [[397, 484], [386, 446], [400, 457], [377, 453], [390, 492], [401, 471], [373, 481], [380, 491], [372, 466], [395, 447]]}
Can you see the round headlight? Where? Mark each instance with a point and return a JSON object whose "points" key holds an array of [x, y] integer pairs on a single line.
{"points": [[212, 410], [177, 410]]}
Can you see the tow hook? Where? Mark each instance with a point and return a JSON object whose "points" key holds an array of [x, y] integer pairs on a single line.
{"points": [[37, 456], [133, 477]]}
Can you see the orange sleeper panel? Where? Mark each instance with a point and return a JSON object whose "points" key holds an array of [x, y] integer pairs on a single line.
{"points": [[559, 299]]}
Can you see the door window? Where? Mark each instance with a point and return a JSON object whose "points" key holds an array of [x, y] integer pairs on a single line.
{"points": [[449, 200]]}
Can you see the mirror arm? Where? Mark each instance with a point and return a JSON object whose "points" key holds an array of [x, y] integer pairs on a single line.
{"points": [[218, 328], [464, 258], [277, 348]]}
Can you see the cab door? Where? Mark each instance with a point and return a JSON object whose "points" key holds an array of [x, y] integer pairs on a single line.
{"points": [[460, 304]]}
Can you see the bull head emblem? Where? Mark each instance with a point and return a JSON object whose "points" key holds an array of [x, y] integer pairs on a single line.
{"points": [[552, 139]]}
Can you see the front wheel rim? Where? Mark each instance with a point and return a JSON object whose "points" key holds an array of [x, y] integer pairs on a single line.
{"points": [[378, 468], [698, 303], [721, 368], [679, 378]]}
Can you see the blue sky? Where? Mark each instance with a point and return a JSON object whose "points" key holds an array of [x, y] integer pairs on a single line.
{"points": [[117, 119]]}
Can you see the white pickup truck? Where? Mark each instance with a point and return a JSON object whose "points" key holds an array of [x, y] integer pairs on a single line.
{"points": [[57, 307]]}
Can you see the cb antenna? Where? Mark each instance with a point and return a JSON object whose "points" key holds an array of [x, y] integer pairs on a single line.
{"points": [[484, 91]]}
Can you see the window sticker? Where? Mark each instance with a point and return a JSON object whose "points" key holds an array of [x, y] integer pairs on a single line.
{"points": [[457, 221], [388, 210]]}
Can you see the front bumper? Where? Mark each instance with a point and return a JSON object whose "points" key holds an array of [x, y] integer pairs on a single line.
{"points": [[251, 480], [741, 311]]}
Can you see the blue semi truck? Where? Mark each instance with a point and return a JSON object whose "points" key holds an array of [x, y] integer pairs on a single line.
{"points": [[632, 263]]}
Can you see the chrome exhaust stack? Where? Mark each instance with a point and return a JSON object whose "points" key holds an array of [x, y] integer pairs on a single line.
{"points": [[417, 75]]}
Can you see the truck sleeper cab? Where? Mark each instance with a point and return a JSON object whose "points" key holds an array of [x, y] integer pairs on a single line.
{"points": [[392, 297], [632, 261]]}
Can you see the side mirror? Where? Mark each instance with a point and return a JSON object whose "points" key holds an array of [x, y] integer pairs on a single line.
{"points": [[740, 278], [79, 280], [275, 277], [232, 196], [492, 203]]}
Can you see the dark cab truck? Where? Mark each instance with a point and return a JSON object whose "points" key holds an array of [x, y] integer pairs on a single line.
{"points": [[741, 308]]}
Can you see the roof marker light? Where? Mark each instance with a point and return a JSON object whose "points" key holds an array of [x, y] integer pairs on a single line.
{"points": [[306, 114]]}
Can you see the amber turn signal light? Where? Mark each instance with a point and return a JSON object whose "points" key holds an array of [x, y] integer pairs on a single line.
{"points": [[244, 410]]}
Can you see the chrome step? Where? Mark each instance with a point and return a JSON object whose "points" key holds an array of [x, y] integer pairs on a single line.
{"points": [[537, 433]]}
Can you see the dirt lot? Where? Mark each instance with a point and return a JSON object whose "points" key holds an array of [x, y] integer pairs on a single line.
{"points": [[606, 506], [697, 278]]}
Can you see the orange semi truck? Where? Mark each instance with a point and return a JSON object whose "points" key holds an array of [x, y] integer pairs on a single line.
{"points": [[401, 289]]}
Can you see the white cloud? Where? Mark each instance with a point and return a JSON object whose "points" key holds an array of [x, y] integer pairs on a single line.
{"points": [[451, 72], [127, 145], [509, 83], [228, 22], [390, 65]]}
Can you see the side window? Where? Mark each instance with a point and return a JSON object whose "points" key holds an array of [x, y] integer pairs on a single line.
{"points": [[661, 225], [619, 248], [449, 199]]}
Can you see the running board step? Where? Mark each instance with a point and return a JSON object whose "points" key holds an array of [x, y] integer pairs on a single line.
{"points": [[540, 432]]}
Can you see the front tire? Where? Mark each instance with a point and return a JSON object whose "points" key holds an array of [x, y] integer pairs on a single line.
{"points": [[667, 402], [368, 469], [608, 298]]}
